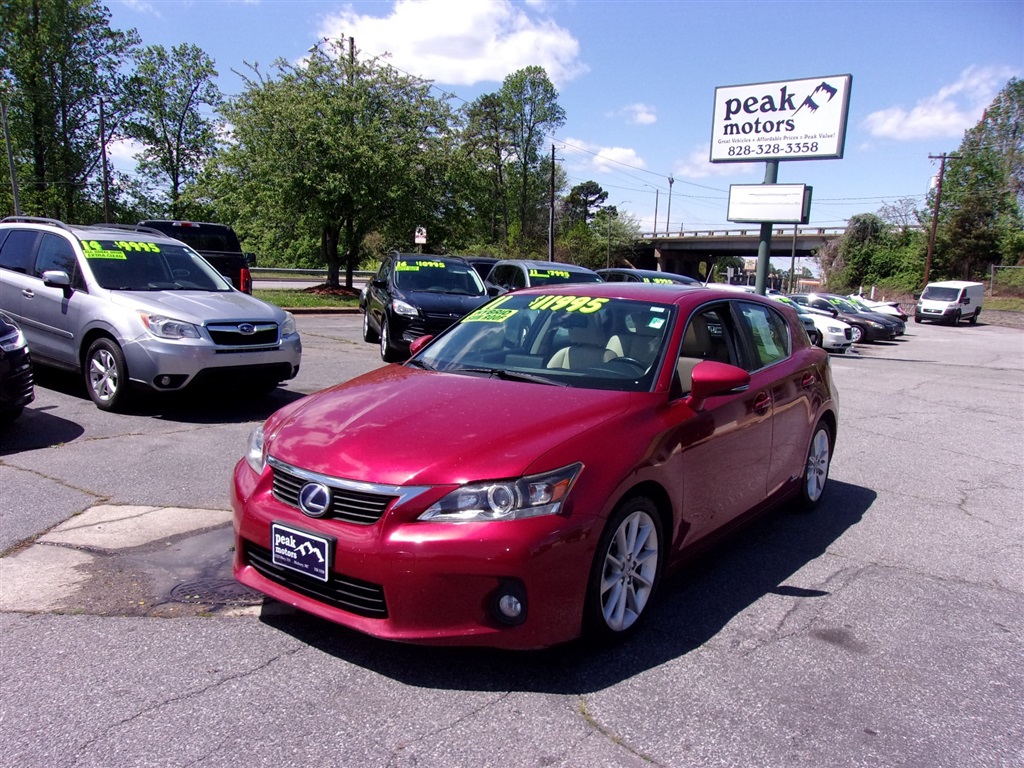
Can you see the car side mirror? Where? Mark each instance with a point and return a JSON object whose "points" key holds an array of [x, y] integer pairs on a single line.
{"points": [[250, 259], [419, 343], [965, 300], [917, 296], [57, 278], [376, 282], [712, 378]]}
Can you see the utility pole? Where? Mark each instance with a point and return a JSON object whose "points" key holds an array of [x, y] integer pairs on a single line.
{"points": [[551, 210], [935, 213], [106, 175], [668, 216], [10, 153]]}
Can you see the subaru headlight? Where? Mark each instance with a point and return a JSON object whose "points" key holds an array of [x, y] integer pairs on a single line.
{"points": [[13, 341], [403, 308], [518, 499], [288, 325], [254, 455], [168, 328]]}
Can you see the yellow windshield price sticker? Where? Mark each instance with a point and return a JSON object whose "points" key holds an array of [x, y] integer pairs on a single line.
{"points": [[106, 255], [582, 304], [659, 280], [416, 266], [549, 273], [90, 247], [491, 315]]}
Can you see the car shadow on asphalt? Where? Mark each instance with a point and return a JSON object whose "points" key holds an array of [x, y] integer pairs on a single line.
{"points": [[693, 607], [36, 428], [206, 405]]}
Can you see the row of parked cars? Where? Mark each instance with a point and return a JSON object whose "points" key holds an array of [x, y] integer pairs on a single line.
{"points": [[412, 295]]}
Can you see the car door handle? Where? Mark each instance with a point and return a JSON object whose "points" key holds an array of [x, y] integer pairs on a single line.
{"points": [[808, 380], [28, 293], [762, 403]]}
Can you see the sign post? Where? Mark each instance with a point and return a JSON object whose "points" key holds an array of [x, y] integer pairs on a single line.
{"points": [[785, 120]]}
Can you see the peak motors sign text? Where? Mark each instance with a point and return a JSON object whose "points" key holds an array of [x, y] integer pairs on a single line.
{"points": [[791, 120]]}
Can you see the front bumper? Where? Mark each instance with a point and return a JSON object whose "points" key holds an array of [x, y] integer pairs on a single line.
{"points": [[169, 365], [423, 582]]}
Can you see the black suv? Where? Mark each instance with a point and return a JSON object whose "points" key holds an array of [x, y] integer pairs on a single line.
{"points": [[413, 295], [217, 243], [16, 387]]}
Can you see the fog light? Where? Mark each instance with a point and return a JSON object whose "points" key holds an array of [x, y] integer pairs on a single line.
{"points": [[508, 602], [510, 606], [165, 381]]}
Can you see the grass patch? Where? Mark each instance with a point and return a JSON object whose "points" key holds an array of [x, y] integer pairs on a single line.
{"points": [[1008, 304], [317, 297]]}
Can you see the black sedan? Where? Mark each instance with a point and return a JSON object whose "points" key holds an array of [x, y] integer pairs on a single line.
{"points": [[630, 275], [16, 386], [414, 295], [866, 326]]}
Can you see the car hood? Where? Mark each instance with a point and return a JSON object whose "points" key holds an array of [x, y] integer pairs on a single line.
{"points": [[200, 307], [433, 302], [404, 426]]}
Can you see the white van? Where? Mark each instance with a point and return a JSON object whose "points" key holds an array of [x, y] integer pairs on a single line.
{"points": [[950, 302]]}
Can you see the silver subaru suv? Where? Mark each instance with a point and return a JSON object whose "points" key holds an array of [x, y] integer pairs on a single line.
{"points": [[132, 308]]}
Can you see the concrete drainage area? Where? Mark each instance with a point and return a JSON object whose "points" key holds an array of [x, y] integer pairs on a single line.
{"points": [[115, 560]]}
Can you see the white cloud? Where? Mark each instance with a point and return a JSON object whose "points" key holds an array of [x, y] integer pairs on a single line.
{"points": [[945, 114], [640, 114], [592, 158], [141, 6], [697, 166], [461, 43]]}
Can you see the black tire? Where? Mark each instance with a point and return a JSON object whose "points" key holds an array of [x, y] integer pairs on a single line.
{"points": [[106, 375], [626, 571], [974, 317], [819, 459], [956, 318], [387, 352], [857, 333], [917, 318], [368, 333]]}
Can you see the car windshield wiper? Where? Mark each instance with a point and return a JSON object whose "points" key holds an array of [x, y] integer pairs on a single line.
{"points": [[420, 364], [507, 375]]}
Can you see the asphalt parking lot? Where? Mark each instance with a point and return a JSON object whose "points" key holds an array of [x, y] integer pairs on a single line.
{"points": [[886, 629]]}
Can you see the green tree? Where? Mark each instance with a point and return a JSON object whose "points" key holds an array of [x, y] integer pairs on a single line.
{"points": [[333, 149], [60, 58], [983, 192], [170, 91], [531, 111], [582, 201]]}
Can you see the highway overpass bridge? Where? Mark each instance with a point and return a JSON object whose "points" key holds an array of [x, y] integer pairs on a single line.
{"points": [[685, 252]]}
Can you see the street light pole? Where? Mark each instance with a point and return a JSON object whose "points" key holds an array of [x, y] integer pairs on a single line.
{"points": [[668, 216]]}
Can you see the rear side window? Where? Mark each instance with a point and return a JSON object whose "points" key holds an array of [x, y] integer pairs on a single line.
{"points": [[769, 333], [19, 250]]}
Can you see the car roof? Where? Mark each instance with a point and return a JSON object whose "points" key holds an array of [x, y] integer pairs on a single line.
{"points": [[658, 293], [547, 264], [91, 231], [429, 257]]}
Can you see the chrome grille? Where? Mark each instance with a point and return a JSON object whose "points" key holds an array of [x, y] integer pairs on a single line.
{"points": [[232, 335], [347, 504]]}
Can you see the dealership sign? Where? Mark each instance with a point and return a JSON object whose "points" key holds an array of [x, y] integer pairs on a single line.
{"points": [[787, 120], [775, 203]]}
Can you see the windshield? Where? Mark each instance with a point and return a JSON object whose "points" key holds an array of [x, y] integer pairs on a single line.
{"points": [[844, 306], [566, 340], [935, 293], [555, 276], [129, 265], [437, 276]]}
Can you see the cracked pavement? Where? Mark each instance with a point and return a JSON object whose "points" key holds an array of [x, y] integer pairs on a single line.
{"points": [[886, 629]]}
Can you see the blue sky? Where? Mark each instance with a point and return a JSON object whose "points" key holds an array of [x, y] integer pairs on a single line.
{"points": [[637, 78]]}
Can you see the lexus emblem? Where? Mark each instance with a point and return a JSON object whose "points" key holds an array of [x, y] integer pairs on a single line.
{"points": [[246, 329], [314, 499]]}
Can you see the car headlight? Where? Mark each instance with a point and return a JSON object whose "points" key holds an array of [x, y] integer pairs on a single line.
{"points": [[168, 328], [402, 308], [873, 324], [288, 325], [834, 329], [13, 341], [254, 455], [524, 497]]}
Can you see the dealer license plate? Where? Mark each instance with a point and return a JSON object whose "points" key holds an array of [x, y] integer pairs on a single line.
{"points": [[300, 551]]}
